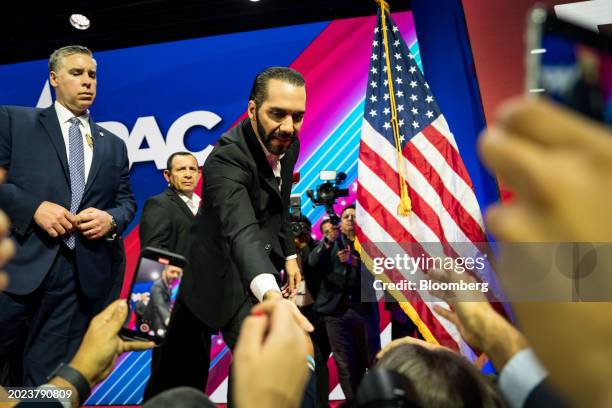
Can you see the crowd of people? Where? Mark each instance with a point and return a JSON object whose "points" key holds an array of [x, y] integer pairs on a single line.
{"points": [[61, 249]]}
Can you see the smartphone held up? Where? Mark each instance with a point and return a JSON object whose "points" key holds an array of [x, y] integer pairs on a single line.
{"points": [[153, 294]]}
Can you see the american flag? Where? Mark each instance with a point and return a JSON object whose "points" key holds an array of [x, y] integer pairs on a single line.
{"points": [[444, 205]]}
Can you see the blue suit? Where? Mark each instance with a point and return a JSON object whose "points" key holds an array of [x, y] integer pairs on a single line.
{"points": [[33, 152]]}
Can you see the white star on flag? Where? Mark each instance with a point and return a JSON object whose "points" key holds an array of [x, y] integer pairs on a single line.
{"points": [[429, 114], [413, 84], [387, 125], [429, 99], [373, 84], [372, 113], [399, 80], [399, 94], [373, 98], [400, 108], [413, 97], [412, 69], [415, 124], [415, 111]]}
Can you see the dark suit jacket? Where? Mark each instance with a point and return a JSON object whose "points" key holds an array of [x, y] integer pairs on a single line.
{"points": [[165, 222], [242, 229], [32, 149], [544, 396], [159, 304], [333, 296]]}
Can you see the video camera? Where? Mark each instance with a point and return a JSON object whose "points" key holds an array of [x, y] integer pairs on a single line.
{"points": [[295, 217], [328, 192]]}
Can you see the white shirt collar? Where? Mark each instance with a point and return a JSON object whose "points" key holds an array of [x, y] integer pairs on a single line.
{"points": [[64, 115], [195, 199]]}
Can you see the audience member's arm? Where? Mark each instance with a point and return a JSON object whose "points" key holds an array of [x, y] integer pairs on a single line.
{"points": [[558, 164], [99, 350]]}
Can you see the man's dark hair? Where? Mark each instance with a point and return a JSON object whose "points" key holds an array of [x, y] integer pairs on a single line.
{"points": [[325, 221], [259, 91], [442, 378], [173, 155], [348, 207]]}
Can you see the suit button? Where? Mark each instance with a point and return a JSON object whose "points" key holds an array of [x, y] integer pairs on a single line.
{"points": [[268, 247]]}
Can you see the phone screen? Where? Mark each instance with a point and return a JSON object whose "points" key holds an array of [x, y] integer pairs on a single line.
{"points": [[154, 291], [575, 68]]}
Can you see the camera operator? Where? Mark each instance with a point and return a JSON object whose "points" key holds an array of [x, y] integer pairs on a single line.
{"points": [[304, 244], [351, 319]]}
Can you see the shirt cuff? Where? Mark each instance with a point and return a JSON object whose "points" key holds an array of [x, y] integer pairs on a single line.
{"points": [[520, 376], [263, 283], [290, 257]]}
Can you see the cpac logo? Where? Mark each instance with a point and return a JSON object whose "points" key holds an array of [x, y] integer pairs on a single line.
{"points": [[146, 129]]}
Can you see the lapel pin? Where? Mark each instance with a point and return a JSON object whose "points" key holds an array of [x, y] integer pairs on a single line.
{"points": [[89, 140]]}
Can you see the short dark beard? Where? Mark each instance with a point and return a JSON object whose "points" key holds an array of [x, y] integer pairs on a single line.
{"points": [[265, 138]]}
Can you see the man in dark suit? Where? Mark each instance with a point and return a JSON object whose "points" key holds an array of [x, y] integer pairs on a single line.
{"points": [[241, 238], [69, 198], [165, 222], [347, 304], [167, 217]]}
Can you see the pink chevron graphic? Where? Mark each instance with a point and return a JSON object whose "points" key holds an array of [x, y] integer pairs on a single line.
{"points": [[335, 66]]}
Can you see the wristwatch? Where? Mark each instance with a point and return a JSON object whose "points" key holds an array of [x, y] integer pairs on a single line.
{"points": [[112, 233], [73, 377], [113, 223]]}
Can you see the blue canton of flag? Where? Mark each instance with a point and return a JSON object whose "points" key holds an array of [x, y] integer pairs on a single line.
{"points": [[416, 107]]}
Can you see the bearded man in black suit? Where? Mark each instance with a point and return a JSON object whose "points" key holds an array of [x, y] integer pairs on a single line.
{"points": [[241, 239]]}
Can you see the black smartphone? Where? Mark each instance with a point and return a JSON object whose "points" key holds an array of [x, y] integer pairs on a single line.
{"points": [[570, 64], [153, 294]]}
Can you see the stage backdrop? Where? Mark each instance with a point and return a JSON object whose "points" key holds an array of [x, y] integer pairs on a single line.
{"points": [[183, 95]]}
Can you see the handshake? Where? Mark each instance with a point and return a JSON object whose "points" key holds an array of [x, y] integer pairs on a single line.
{"points": [[58, 221]]}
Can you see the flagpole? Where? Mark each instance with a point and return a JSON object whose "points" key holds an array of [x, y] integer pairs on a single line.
{"points": [[405, 205]]}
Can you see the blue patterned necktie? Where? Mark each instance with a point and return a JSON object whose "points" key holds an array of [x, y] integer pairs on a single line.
{"points": [[76, 163]]}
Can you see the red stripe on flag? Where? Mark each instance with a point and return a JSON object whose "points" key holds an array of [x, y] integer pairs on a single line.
{"points": [[462, 218], [448, 151], [386, 173]]}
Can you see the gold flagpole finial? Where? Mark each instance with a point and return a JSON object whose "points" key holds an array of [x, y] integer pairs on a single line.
{"points": [[383, 4]]}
